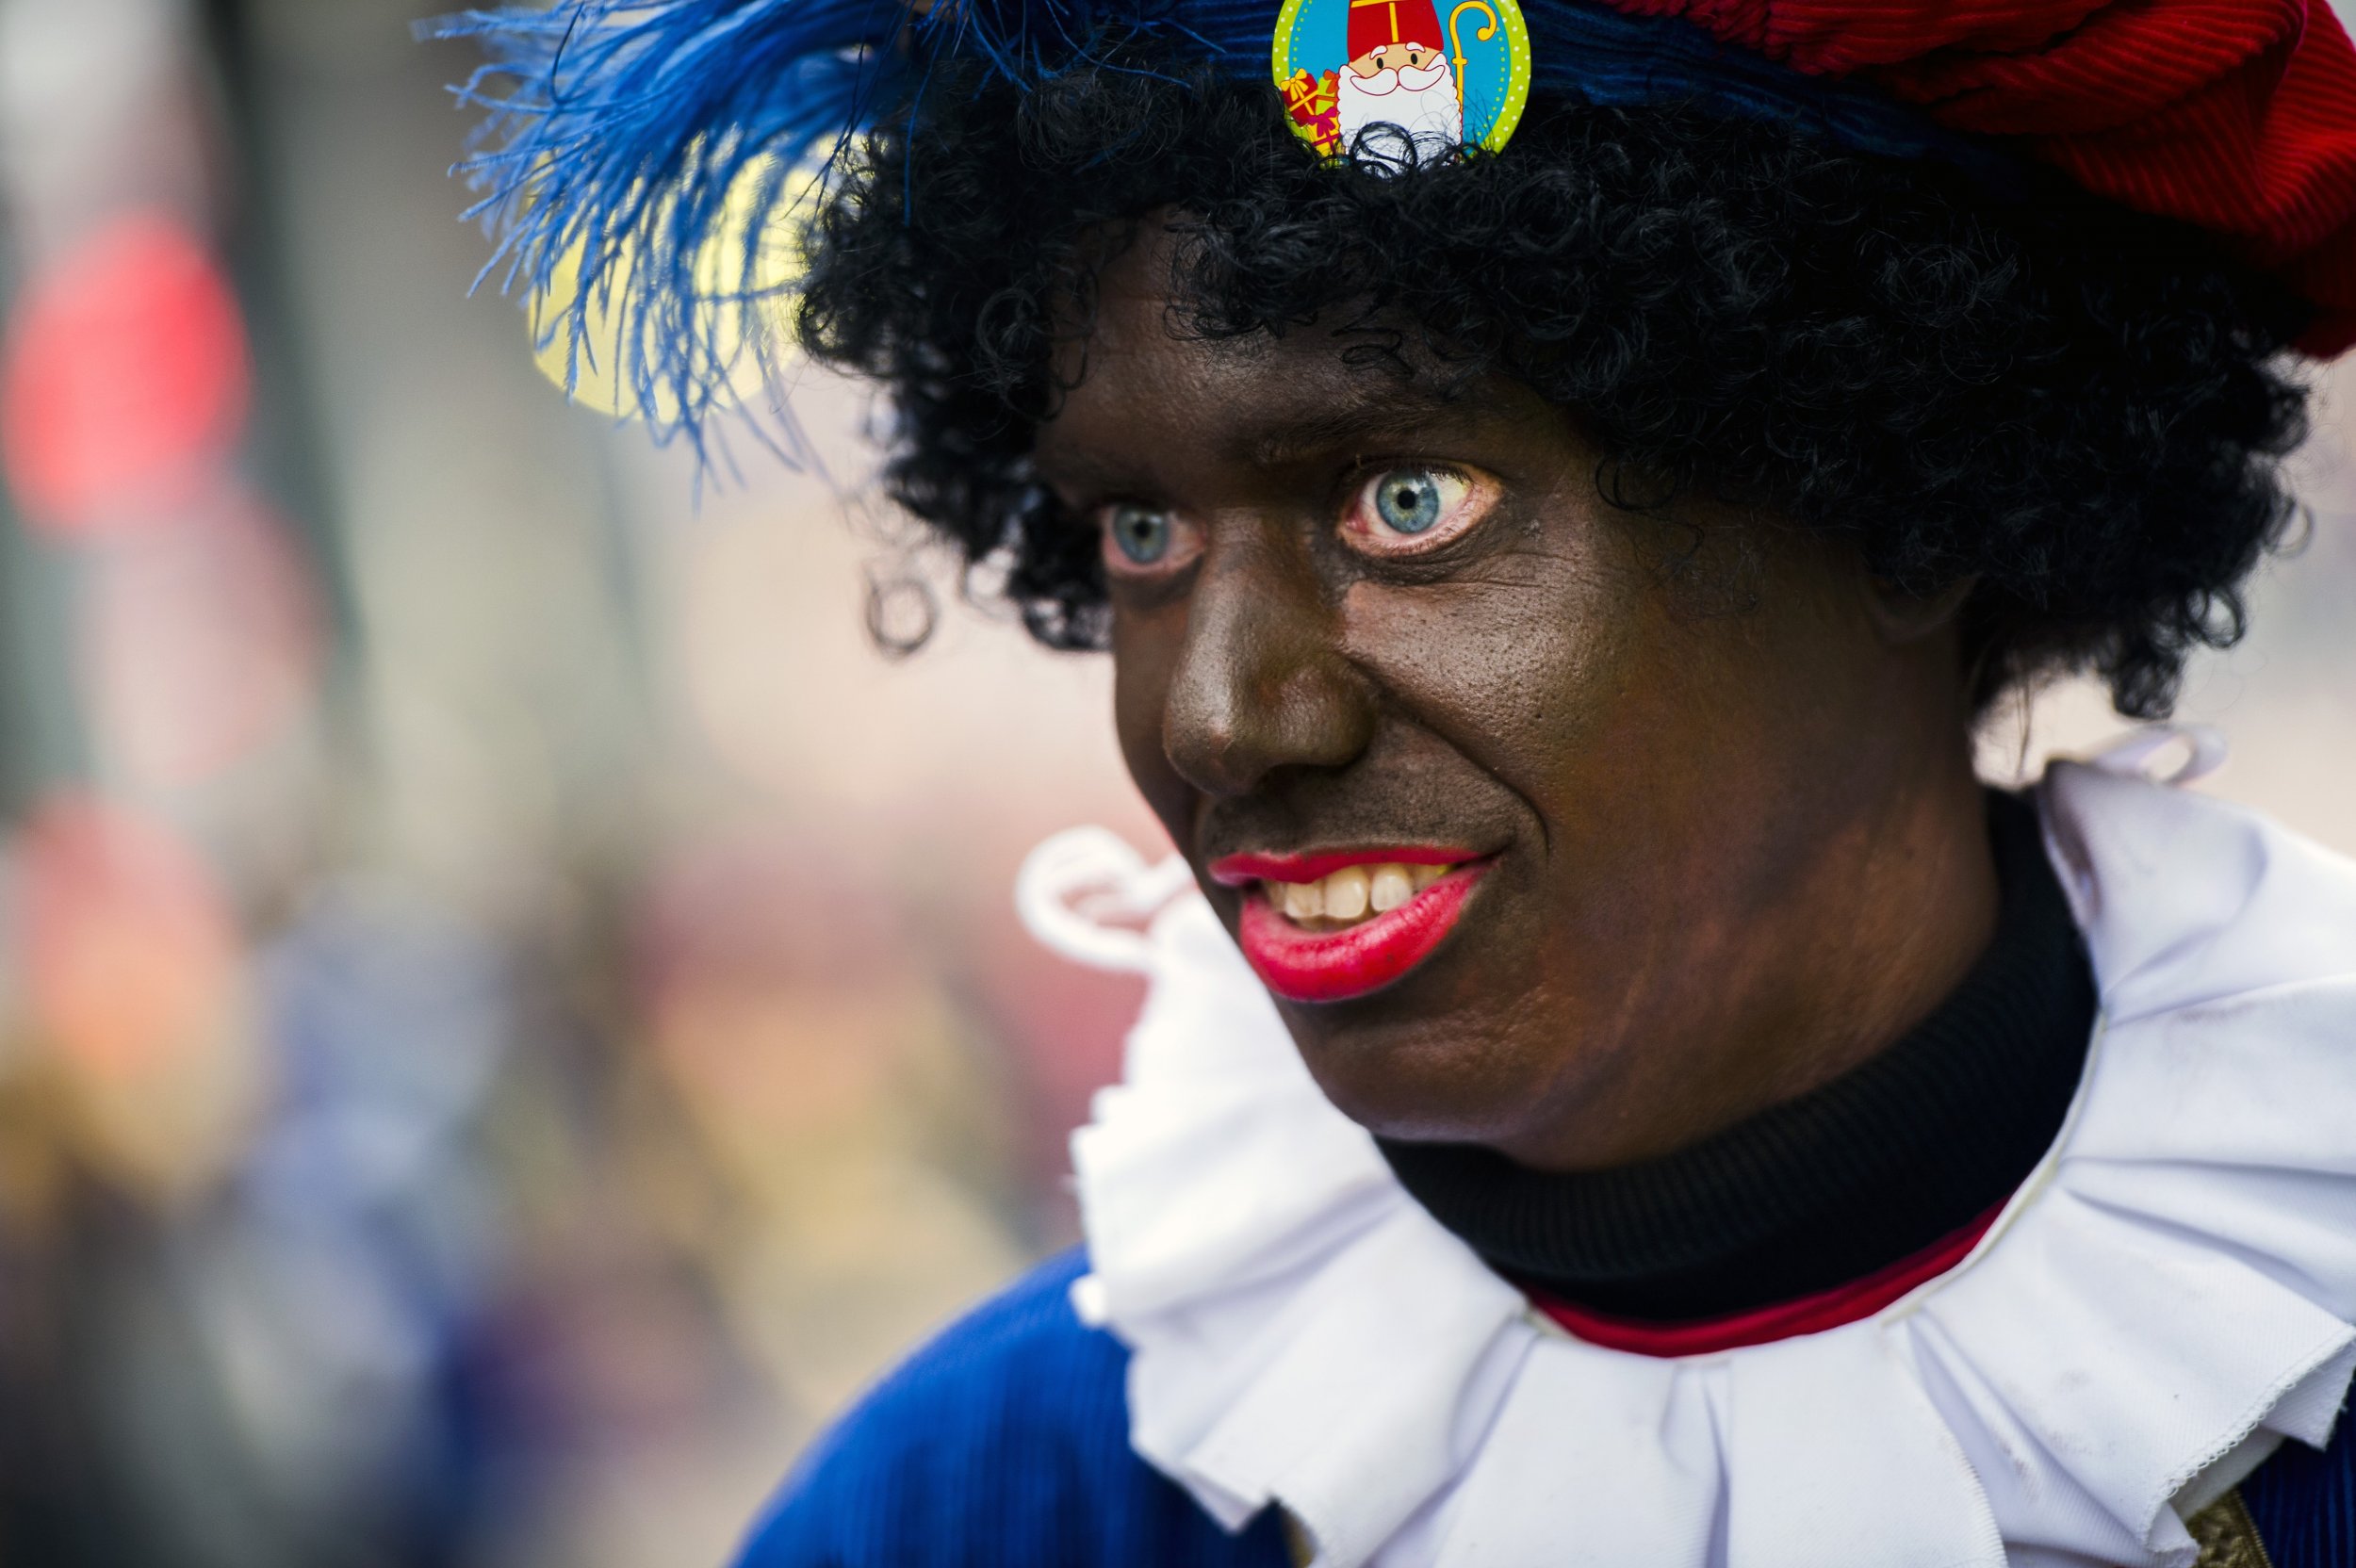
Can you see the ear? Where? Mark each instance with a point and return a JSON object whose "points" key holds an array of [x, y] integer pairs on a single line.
{"points": [[1903, 617]]}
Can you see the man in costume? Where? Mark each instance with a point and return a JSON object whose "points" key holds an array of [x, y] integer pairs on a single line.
{"points": [[1622, 1092]]}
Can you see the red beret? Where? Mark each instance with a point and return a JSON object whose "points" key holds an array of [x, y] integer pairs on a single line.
{"points": [[2235, 115]]}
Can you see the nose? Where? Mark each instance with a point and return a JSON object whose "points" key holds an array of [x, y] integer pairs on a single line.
{"points": [[1260, 685]]}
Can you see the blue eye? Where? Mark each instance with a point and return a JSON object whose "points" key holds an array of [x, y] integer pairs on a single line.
{"points": [[1142, 533], [1408, 499], [1412, 510]]}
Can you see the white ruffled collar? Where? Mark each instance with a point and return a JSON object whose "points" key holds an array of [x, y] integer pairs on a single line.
{"points": [[2169, 1297]]}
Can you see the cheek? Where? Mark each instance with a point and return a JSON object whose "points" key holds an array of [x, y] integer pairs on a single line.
{"points": [[1633, 734], [1514, 668], [1145, 654]]}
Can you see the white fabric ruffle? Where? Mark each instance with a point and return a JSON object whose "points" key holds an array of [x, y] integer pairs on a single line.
{"points": [[2168, 1296]]}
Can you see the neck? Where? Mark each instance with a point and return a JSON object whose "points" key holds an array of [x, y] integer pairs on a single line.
{"points": [[1852, 1182]]}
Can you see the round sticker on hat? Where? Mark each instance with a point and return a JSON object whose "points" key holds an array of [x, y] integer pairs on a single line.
{"points": [[1343, 65]]}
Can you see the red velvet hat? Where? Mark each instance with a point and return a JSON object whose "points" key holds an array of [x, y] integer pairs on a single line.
{"points": [[2235, 115], [1374, 24]]}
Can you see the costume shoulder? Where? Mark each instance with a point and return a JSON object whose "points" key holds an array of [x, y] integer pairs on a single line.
{"points": [[1004, 1441], [2303, 1503]]}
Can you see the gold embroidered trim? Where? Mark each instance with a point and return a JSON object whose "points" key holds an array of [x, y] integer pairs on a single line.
{"points": [[2228, 1536], [1303, 1551]]}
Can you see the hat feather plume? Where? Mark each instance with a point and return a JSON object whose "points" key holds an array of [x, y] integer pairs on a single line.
{"points": [[637, 167]]}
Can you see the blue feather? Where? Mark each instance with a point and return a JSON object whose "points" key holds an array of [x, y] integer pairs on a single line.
{"points": [[620, 136], [616, 137]]}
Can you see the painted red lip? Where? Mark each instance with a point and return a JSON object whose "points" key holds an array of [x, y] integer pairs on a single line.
{"points": [[1335, 966], [1233, 871]]}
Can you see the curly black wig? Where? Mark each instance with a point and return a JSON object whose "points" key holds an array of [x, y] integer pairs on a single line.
{"points": [[2080, 409]]}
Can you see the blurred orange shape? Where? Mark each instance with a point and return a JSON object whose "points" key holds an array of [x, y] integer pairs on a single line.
{"points": [[199, 641], [777, 985], [125, 376], [129, 951]]}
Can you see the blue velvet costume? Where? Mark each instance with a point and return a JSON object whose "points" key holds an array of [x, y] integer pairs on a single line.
{"points": [[1005, 1444]]}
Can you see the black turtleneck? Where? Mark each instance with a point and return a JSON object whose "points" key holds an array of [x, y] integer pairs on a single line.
{"points": [[1866, 1171]]}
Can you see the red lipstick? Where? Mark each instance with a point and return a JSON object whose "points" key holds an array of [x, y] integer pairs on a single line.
{"points": [[1335, 966]]}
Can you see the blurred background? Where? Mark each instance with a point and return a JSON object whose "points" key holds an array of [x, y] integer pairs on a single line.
{"points": [[510, 1010]]}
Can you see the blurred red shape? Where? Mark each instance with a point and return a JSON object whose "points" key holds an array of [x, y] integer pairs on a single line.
{"points": [[128, 945], [125, 377]]}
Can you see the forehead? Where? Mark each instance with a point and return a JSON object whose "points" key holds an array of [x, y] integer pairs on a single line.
{"points": [[1143, 384]]}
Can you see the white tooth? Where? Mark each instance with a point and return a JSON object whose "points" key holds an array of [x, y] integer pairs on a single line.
{"points": [[1390, 887], [1425, 876], [1304, 900], [1346, 893]]}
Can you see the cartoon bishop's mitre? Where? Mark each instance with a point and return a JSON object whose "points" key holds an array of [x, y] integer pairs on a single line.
{"points": [[1379, 24]]}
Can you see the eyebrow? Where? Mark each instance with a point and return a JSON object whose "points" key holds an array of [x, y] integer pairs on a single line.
{"points": [[1356, 417], [1363, 413], [1367, 417]]}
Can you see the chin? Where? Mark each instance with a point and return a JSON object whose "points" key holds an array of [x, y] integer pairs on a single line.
{"points": [[1454, 1079]]}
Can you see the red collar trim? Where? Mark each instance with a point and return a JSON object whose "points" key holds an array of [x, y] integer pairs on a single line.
{"points": [[1805, 1315]]}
